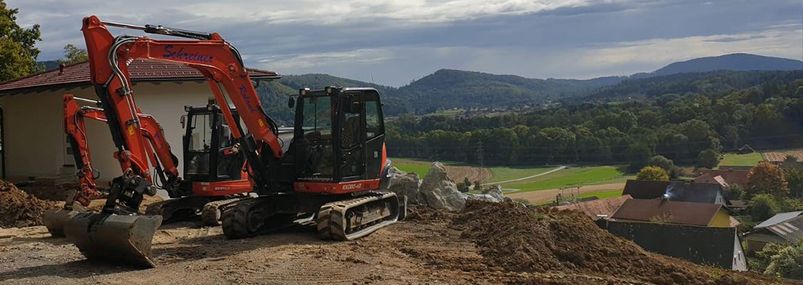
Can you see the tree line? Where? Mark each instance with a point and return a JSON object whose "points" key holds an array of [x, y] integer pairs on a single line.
{"points": [[688, 128]]}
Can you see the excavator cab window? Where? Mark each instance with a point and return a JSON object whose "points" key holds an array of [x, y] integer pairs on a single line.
{"points": [[199, 143], [341, 135], [208, 142], [316, 136]]}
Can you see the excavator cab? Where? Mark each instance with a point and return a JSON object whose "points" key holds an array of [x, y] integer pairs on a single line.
{"points": [[339, 135], [210, 152]]}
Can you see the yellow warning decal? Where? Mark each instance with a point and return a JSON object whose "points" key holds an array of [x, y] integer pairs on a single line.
{"points": [[131, 130], [261, 123]]}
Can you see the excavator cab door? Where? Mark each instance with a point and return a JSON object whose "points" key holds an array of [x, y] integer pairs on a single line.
{"points": [[208, 144], [339, 134]]}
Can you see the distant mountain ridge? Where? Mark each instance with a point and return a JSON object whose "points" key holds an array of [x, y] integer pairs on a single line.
{"points": [[449, 88], [732, 62]]}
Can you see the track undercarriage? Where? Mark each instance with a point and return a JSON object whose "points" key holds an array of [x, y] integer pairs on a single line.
{"points": [[336, 217]]}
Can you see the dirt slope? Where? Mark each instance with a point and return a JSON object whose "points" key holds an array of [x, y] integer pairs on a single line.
{"points": [[430, 247], [18, 209]]}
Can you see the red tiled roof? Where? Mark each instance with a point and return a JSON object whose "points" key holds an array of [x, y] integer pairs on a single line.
{"points": [[732, 177], [597, 208], [665, 211], [140, 70]]}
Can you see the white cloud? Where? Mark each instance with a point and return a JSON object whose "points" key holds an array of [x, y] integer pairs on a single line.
{"points": [[784, 41], [394, 41], [308, 61]]}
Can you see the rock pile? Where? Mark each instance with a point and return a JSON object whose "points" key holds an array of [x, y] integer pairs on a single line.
{"points": [[437, 190], [18, 209]]}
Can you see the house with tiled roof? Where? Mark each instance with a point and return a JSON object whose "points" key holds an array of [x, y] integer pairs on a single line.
{"points": [[728, 176], [597, 209], [663, 211], [676, 191], [702, 245], [783, 228], [32, 139]]}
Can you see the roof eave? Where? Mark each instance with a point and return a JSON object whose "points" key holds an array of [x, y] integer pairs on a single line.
{"points": [[11, 91]]}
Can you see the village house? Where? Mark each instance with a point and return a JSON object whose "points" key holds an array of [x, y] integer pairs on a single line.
{"points": [[673, 212], [597, 209], [731, 177], [703, 245], [32, 138], [783, 228], [676, 191]]}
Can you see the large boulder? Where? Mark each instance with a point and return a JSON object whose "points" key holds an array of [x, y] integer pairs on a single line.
{"points": [[405, 185], [440, 192]]}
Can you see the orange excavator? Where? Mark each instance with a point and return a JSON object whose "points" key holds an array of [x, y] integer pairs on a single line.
{"points": [[329, 172], [207, 141]]}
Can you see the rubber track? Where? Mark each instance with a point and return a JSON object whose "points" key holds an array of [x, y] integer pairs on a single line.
{"points": [[337, 221], [322, 222], [235, 219], [211, 213]]}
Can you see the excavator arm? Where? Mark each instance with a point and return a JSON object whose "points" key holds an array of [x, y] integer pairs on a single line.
{"points": [[218, 61], [159, 152], [75, 128]]}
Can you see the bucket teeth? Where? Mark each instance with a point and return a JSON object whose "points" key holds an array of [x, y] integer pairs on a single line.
{"points": [[114, 238]]}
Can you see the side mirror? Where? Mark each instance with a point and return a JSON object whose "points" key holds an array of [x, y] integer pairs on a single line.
{"points": [[291, 102], [183, 121]]}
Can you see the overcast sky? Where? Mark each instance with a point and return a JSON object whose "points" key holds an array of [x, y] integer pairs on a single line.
{"points": [[393, 42]]}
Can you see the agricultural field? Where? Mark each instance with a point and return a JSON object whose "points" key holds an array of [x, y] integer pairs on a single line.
{"points": [[572, 176], [780, 155], [456, 171], [419, 167], [736, 159], [523, 178], [603, 194], [512, 173]]}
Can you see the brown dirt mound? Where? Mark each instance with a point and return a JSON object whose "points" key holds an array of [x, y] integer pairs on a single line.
{"points": [[522, 239], [18, 209], [48, 189]]}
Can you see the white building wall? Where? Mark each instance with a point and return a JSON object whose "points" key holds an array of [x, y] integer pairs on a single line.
{"points": [[739, 260], [35, 142], [165, 101], [34, 132]]}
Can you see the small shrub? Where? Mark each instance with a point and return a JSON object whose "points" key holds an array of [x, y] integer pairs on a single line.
{"points": [[763, 206], [652, 173]]}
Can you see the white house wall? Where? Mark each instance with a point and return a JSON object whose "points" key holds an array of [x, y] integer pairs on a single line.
{"points": [[165, 101], [34, 132]]}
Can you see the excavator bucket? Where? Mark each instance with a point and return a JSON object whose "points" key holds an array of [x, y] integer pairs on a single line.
{"points": [[55, 219], [114, 238]]}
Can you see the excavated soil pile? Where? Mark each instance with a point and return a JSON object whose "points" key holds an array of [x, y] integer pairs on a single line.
{"points": [[522, 239], [18, 209], [426, 214], [48, 189]]}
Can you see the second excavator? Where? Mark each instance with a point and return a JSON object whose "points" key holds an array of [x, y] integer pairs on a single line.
{"points": [[329, 172]]}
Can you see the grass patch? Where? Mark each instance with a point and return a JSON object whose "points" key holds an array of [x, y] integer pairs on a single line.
{"points": [[735, 159], [419, 167], [510, 173], [602, 194], [573, 176]]}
